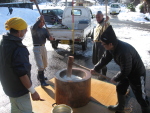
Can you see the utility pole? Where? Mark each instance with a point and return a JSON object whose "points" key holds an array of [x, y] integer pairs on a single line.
{"points": [[56, 2], [66, 3]]}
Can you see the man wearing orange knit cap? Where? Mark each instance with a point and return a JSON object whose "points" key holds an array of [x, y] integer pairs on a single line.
{"points": [[15, 67]]}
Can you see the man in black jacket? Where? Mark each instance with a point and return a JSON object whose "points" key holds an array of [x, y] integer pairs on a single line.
{"points": [[132, 72], [15, 67]]}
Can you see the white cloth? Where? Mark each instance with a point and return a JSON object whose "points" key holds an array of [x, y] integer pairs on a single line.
{"points": [[100, 28], [40, 55]]}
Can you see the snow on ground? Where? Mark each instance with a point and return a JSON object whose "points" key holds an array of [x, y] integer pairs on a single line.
{"points": [[125, 14], [27, 14], [137, 38], [134, 16], [47, 6]]}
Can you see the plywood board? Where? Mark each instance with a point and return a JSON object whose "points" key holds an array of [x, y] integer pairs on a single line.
{"points": [[46, 93], [102, 94], [92, 107]]}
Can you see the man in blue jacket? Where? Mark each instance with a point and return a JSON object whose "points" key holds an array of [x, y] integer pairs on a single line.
{"points": [[15, 67], [132, 71], [10, 10]]}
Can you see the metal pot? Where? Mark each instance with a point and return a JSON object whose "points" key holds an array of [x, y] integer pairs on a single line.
{"points": [[61, 108]]}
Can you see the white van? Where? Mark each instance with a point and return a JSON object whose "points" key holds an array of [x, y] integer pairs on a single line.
{"points": [[114, 9]]}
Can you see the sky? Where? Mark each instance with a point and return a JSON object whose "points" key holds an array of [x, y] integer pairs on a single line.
{"points": [[133, 36]]}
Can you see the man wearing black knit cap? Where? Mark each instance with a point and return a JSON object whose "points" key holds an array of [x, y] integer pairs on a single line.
{"points": [[132, 71]]}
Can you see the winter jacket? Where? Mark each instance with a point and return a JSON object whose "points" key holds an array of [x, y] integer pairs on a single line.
{"points": [[14, 63], [127, 58], [100, 28], [98, 49]]}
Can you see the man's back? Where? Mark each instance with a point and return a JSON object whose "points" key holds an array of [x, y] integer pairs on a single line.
{"points": [[124, 52]]}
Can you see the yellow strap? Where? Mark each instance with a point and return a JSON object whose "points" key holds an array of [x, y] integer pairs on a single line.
{"points": [[72, 27]]}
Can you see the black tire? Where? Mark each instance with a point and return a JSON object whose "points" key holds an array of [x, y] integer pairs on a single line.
{"points": [[84, 45], [55, 44]]}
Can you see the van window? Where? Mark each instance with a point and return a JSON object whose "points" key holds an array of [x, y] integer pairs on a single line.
{"points": [[44, 11], [76, 12], [60, 12], [55, 11], [51, 12], [115, 6]]}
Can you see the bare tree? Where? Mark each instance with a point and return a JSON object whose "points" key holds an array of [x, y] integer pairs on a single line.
{"points": [[146, 6]]}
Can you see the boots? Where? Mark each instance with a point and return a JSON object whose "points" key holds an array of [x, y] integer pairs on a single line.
{"points": [[120, 106], [41, 78], [146, 109]]}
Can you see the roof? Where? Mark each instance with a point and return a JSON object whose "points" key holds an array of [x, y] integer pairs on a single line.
{"points": [[13, 3]]}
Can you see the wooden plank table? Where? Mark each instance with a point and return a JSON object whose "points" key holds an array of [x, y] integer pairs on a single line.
{"points": [[102, 95]]}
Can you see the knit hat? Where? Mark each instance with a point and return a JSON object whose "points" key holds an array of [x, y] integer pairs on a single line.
{"points": [[99, 12], [109, 36], [15, 23]]}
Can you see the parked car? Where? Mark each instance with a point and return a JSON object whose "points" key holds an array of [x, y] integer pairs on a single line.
{"points": [[52, 16], [51, 4], [61, 4], [114, 9]]}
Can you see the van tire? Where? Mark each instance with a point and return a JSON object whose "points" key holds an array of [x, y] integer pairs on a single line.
{"points": [[84, 45]]}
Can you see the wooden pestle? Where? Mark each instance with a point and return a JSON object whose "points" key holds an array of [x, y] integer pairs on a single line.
{"points": [[90, 69], [69, 66]]}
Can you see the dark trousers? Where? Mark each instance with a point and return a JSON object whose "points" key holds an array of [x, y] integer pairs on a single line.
{"points": [[138, 87], [98, 51]]}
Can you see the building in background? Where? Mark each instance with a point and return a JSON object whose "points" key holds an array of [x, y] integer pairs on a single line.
{"points": [[18, 4]]}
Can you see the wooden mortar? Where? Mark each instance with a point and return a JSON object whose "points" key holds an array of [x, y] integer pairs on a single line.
{"points": [[74, 93]]}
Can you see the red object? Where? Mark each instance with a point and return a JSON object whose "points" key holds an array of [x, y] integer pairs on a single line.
{"points": [[77, 40]]}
